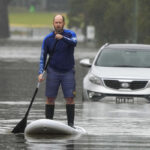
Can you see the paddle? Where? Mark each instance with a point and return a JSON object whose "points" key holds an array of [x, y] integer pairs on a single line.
{"points": [[20, 127]]}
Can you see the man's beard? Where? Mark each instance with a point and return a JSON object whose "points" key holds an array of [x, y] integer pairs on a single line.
{"points": [[60, 30]]}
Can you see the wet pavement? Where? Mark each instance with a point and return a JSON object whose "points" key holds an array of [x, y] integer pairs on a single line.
{"points": [[109, 126]]}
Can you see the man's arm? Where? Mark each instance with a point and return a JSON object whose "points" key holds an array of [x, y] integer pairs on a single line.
{"points": [[42, 60], [72, 40]]}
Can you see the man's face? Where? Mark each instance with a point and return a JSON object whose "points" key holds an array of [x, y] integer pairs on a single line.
{"points": [[58, 24]]}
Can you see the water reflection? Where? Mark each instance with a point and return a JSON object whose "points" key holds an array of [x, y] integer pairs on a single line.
{"points": [[46, 142], [117, 119]]}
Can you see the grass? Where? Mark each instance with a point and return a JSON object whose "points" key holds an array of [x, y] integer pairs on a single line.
{"points": [[34, 19]]}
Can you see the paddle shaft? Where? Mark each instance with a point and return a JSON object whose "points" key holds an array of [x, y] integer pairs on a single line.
{"points": [[20, 127], [35, 92], [38, 84]]}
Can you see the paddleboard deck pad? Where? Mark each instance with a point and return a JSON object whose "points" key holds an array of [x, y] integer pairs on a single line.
{"points": [[48, 127]]}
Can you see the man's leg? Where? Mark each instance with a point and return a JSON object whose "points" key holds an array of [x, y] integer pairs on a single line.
{"points": [[52, 85], [49, 108], [68, 87], [70, 110]]}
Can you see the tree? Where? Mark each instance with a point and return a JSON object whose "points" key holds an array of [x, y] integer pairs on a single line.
{"points": [[144, 21], [75, 14], [4, 25], [117, 24], [115, 21]]}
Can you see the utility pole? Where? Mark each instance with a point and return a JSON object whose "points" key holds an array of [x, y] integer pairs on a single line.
{"points": [[135, 27]]}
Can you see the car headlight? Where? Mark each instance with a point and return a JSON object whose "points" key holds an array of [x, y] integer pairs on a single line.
{"points": [[94, 79], [148, 84]]}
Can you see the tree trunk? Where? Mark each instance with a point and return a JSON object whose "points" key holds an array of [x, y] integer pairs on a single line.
{"points": [[4, 25]]}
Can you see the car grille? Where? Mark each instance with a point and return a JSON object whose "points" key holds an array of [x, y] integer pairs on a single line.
{"points": [[134, 85]]}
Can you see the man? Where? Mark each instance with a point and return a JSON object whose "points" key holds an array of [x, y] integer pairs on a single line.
{"points": [[60, 45]]}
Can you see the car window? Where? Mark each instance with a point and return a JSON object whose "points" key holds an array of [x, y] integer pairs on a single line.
{"points": [[123, 58]]}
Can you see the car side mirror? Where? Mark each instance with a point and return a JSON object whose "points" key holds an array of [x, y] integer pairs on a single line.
{"points": [[85, 62]]}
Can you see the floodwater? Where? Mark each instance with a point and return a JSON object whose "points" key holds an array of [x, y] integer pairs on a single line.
{"points": [[109, 126]]}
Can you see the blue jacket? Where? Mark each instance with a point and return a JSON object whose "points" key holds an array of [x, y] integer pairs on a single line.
{"points": [[63, 57]]}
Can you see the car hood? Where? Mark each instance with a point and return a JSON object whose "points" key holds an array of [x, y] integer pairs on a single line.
{"points": [[121, 73]]}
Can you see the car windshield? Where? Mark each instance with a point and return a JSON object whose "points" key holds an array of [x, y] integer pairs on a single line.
{"points": [[124, 58]]}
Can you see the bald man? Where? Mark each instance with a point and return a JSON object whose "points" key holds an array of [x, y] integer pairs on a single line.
{"points": [[60, 45]]}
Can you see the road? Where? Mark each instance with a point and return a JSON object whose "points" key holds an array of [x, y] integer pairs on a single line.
{"points": [[109, 126]]}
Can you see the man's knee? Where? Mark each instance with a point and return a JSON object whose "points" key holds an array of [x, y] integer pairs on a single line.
{"points": [[50, 101], [70, 100]]}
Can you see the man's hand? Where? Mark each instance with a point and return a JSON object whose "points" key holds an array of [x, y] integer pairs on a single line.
{"points": [[40, 78], [58, 36]]}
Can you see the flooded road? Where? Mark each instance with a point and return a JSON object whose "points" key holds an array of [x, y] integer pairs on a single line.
{"points": [[109, 126]]}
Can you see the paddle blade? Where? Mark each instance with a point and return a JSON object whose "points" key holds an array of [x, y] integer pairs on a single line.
{"points": [[20, 127]]}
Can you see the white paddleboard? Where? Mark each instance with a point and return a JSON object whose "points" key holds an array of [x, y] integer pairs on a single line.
{"points": [[48, 127]]}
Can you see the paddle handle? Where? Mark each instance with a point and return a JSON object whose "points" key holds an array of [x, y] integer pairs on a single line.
{"points": [[38, 84]]}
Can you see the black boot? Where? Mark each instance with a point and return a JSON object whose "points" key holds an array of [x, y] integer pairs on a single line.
{"points": [[70, 108], [49, 111]]}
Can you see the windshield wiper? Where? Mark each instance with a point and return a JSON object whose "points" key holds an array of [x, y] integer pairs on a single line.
{"points": [[145, 67], [125, 66], [131, 66]]}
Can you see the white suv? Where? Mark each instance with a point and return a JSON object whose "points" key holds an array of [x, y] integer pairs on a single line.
{"points": [[118, 70]]}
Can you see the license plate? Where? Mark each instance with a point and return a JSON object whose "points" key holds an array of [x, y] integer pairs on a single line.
{"points": [[124, 100]]}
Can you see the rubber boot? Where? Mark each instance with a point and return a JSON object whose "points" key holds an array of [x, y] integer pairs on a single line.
{"points": [[49, 111], [70, 108]]}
